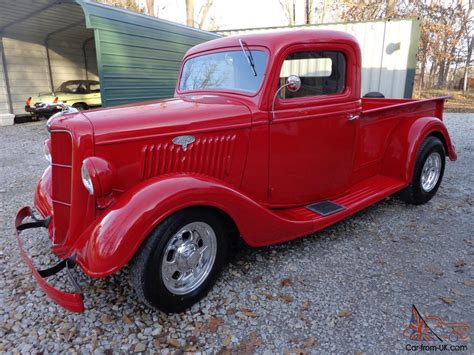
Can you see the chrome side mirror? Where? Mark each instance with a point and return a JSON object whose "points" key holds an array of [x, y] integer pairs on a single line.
{"points": [[293, 83]]}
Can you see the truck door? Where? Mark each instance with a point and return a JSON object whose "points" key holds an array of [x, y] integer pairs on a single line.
{"points": [[313, 131]]}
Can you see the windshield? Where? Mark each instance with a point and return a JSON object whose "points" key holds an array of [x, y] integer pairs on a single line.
{"points": [[224, 70], [70, 87]]}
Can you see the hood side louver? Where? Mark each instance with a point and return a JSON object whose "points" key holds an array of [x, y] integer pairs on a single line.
{"points": [[209, 155]]}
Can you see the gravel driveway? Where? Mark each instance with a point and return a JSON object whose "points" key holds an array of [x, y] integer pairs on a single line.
{"points": [[347, 289]]}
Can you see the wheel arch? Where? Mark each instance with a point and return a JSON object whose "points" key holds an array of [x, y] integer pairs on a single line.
{"points": [[113, 239], [402, 149]]}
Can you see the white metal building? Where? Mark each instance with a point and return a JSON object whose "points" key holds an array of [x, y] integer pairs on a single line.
{"points": [[389, 49]]}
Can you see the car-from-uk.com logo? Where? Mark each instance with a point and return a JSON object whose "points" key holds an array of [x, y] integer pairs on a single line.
{"points": [[431, 333]]}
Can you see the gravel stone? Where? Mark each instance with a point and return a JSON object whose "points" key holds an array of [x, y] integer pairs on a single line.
{"points": [[375, 264]]}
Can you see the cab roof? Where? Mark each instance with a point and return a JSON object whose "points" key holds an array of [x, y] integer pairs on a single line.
{"points": [[278, 40]]}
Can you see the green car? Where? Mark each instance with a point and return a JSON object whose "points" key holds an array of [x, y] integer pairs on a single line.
{"points": [[80, 94]]}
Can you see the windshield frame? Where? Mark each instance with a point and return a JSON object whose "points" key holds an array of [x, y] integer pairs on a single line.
{"points": [[235, 48]]}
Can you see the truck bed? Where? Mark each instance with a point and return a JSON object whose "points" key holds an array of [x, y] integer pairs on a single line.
{"points": [[429, 107]]}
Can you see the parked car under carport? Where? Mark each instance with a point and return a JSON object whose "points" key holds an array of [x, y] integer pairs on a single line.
{"points": [[45, 43]]}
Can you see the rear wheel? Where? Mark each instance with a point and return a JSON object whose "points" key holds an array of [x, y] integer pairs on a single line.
{"points": [[428, 173], [180, 260]]}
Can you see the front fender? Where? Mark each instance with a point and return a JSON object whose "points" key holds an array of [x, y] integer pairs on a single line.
{"points": [[113, 239], [402, 150]]}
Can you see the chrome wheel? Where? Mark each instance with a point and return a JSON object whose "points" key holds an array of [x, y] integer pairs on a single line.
{"points": [[431, 172], [189, 257]]}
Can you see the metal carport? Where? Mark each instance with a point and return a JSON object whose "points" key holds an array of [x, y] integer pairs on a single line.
{"points": [[46, 42]]}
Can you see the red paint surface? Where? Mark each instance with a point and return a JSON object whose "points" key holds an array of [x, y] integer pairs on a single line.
{"points": [[260, 172]]}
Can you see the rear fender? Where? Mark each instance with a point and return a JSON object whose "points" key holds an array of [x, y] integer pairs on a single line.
{"points": [[402, 150], [113, 239]]}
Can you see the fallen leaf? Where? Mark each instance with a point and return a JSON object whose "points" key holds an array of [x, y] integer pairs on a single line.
{"points": [[192, 340], [459, 263], [127, 320], [309, 342], [286, 282], [198, 328], [267, 296], [469, 282], [247, 312], [447, 300], [286, 298], [107, 318], [251, 343], [227, 340], [345, 313], [214, 324], [231, 311], [435, 270], [295, 352], [306, 305], [173, 342]]}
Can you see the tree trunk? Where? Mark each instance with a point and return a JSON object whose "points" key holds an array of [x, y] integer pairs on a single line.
{"points": [[441, 69], [150, 7], [422, 76], [190, 13], [390, 8], [308, 12], [205, 11], [466, 67]]}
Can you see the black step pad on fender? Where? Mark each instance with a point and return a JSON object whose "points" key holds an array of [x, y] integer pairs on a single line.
{"points": [[325, 208]]}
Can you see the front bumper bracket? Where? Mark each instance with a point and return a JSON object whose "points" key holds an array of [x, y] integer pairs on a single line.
{"points": [[71, 301]]}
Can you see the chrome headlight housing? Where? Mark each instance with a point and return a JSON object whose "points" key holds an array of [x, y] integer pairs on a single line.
{"points": [[47, 150], [98, 176], [86, 178]]}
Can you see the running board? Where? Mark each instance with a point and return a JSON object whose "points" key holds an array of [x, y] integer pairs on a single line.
{"points": [[359, 196]]}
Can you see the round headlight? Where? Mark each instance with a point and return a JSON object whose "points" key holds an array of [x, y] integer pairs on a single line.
{"points": [[47, 150], [86, 178], [98, 176]]}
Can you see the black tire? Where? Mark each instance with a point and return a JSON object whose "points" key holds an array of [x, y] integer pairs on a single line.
{"points": [[374, 95], [80, 106], [146, 267], [414, 193]]}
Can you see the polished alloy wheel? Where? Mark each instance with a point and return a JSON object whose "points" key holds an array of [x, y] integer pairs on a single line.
{"points": [[431, 172], [189, 257]]}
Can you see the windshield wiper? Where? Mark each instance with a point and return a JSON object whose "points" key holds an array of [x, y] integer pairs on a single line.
{"points": [[248, 55]]}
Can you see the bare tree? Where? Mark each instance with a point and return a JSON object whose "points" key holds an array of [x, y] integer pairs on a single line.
{"points": [[131, 5], [150, 7], [288, 7], [309, 12], [202, 15], [190, 13], [468, 63]]}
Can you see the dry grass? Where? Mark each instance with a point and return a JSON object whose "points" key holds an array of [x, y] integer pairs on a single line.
{"points": [[458, 102]]}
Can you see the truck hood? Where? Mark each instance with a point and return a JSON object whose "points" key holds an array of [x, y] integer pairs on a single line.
{"points": [[174, 116]]}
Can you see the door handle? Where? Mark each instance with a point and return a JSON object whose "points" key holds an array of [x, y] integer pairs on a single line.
{"points": [[352, 117]]}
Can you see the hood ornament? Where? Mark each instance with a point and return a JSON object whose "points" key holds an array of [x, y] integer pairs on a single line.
{"points": [[184, 141]]}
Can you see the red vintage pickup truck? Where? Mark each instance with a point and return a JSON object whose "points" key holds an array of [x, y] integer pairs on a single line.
{"points": [[267, 139]]}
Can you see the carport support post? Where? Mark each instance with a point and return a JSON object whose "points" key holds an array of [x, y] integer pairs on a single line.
{"points": [[84, 53], [50, 70], [6, 119]]}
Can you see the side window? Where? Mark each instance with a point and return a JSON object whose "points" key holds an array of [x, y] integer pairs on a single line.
{"points": [[94, 87], [321, 73]]}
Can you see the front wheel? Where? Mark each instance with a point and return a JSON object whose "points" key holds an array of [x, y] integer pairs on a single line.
{"points": [[180, 260], [428, 172]]}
